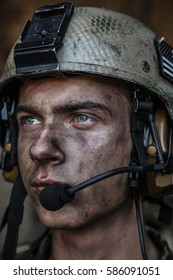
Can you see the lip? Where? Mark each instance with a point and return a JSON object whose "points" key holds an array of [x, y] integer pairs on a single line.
{"points": [[39, 184], [38, 189]]}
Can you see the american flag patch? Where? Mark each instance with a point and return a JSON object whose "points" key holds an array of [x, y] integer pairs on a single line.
{"points": [[165, 56]]}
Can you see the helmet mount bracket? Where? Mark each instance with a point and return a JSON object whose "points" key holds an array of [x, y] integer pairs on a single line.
{"points": [[143, 113], [41, 38]]}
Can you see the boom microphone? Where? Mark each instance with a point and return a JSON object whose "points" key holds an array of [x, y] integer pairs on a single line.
{"points": [[53, 197]]}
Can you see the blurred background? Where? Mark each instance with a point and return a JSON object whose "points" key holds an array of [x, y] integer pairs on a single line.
{"points": [[157, 14]]}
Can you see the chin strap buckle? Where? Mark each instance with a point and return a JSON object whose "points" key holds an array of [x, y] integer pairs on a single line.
{"points": [[134, 184]]}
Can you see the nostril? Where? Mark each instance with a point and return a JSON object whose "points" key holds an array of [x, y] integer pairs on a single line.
{"points": [[47, 160], [46, 155], [46, 149]]}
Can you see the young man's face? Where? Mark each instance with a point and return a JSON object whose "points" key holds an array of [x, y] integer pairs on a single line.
{"points": [[69, 131]]}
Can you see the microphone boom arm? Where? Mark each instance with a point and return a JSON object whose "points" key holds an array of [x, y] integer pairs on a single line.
{"points": [[103, 176]]}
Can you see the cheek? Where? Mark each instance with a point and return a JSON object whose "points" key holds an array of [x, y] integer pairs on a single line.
{"points": [[109, 149], [23, 155]]}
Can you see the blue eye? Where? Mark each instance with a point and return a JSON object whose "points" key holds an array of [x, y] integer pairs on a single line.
{"points": [[83, 118], [30, 121]]}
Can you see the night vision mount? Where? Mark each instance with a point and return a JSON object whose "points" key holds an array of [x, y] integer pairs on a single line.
{"points": [[41, 38]]}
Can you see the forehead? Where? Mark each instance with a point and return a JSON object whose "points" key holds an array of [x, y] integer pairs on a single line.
{"points": [[77, 87]]}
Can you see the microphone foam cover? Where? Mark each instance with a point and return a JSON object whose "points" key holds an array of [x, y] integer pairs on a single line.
{"points": [[53, 197], [49, 198]]}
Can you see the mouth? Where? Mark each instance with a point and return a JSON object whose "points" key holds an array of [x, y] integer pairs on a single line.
{"points": [[40, 184], [37, 190]]}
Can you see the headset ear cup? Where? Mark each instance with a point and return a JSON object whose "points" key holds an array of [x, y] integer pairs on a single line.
{"points": [[161, 184], [11, 175], [9, 159], [7, 163], [163, 127], [10, 171]]}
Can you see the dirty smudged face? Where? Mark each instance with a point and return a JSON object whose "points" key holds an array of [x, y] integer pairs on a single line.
{"points": [[69, 131]]}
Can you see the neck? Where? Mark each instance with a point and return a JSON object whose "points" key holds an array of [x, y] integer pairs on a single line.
{"points": [[112, 237]]}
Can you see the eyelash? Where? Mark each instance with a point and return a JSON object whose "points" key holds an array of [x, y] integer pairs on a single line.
{"points": [[83, 115], [22, 120], [77, 120]]}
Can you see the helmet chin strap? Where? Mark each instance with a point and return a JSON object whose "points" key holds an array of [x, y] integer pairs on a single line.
{"points": [[13, 219]]}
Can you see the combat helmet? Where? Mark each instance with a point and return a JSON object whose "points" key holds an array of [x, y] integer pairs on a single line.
{"points": [[59, 41]]}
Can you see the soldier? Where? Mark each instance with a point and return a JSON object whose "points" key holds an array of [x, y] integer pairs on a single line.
{"points": [[86, 119]]}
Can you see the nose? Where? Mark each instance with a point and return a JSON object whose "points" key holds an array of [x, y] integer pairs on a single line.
{"points": [[45, 148]]}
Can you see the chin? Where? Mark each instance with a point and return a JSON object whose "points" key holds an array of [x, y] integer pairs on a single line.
{"points": [[65, 218]]}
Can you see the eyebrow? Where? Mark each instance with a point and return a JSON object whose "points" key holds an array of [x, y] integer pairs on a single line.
{"points": [[72, 106]]}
